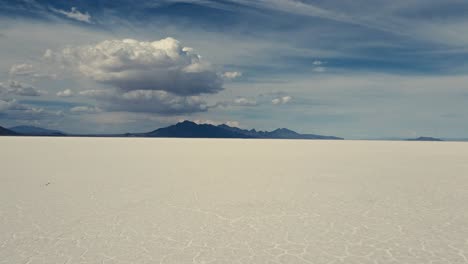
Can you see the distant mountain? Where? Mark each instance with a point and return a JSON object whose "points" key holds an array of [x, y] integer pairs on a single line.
{"points": [[187, 129], [36, 131], [6, 132], [424, 139], [280, 133]]}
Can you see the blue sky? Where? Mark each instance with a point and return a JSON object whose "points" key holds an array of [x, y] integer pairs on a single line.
{"points": [[356, 69]]}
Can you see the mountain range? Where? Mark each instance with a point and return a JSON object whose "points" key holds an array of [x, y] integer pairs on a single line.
{"points": [[425, 139], [185, 129], [188, 129]]}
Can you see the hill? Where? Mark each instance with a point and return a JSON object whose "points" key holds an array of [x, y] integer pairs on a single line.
{"points": [[424, 139], [6, 132], [36, 131]]}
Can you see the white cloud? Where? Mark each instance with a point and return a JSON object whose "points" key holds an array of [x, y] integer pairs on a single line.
{"points": [[232, 75], [233, 123], [317, 63], [318, 66], [74, 14], [281, 100], [65, 93], [149, 101], [243, 101], [215, 123], [21, 69], [130, 65], [86, 109], [18, 88], [306, 9], [29, 70], [319, 69], [239, 101]]}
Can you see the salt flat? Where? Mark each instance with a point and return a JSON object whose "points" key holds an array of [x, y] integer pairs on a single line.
{"points": [[118, 200]]}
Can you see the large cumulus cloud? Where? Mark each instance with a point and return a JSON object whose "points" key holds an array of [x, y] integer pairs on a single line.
{"points": [[132, 65]]}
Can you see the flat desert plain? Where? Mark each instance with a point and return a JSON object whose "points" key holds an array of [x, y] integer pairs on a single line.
{"points": [[124, 200]]}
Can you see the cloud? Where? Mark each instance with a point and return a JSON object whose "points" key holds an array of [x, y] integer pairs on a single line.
{"points": [[7, 105], [232, 75], [239, 101], [99, 94], [233, 123], [85, 109], [18, 88], [318, 66], [215, 123], [131, 65], [417, 19], [74, 14], [65, 93], [21, 69], [29, 70], [161, 77], [12, 109], [319, 69], [302, 8], [149, 101], [243, 101], [281, 100]]}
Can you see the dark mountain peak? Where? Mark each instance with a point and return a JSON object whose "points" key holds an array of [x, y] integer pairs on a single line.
{"points": [[189, 129], [224, 126], [280, 129], [6, 132], [187, 122], [283, 133], [283, 130]]}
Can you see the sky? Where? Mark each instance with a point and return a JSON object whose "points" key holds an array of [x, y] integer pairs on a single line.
{"points": [[360, 69]]}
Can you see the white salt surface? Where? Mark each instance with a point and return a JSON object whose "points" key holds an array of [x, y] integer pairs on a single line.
{"points": [[103, 200]]}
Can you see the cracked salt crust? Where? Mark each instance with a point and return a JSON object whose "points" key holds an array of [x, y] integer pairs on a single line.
{"points": [[102, 200]]}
